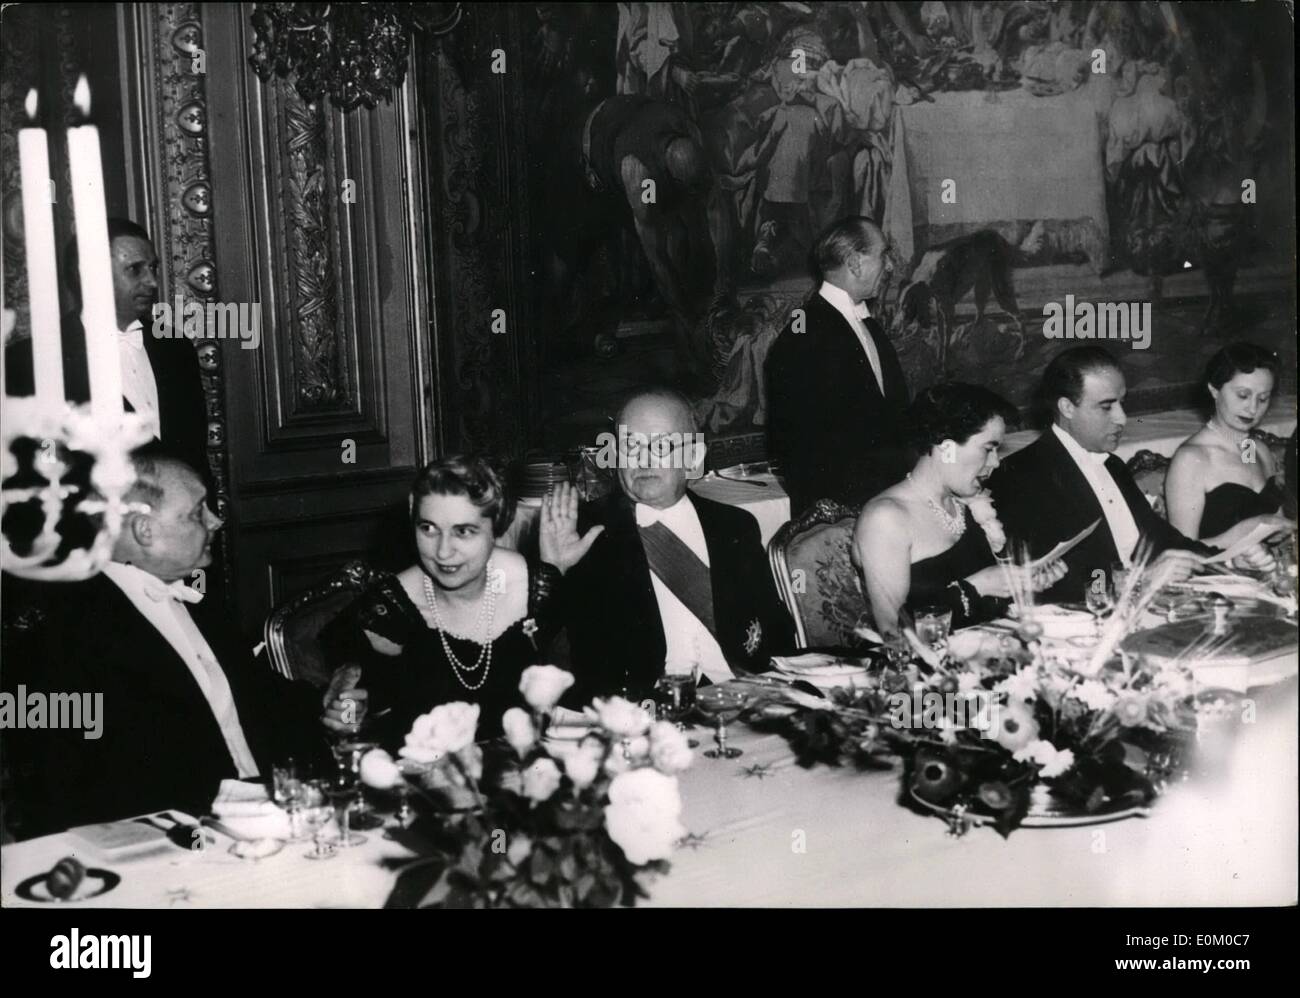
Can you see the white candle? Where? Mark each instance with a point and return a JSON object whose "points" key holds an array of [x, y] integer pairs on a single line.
{"points": [[98, 308], [42, 263]]}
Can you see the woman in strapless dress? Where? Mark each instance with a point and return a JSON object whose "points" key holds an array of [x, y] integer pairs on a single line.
{"points": [[933, 538], [1221, 482]]}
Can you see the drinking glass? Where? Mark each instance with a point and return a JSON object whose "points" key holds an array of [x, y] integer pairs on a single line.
{"points": [[317, 817], [344, 802], [722, 705], [347, 758], [674, 695], [933, 625], [1100, 601], [287, 792]]}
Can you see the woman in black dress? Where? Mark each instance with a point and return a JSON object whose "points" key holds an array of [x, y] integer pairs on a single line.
{"points": [[468, 617], [1222, 483], [932, 538]]}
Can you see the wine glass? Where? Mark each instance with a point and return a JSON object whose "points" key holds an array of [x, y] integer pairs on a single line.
{"points": [[1099, 600], [344, 801], [933, 625], [317, 815], [674, 695], [722, 705], [347, 757], [287, 792]]}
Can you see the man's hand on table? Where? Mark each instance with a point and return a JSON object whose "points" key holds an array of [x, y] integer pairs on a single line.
{"points": [[345, 705]]}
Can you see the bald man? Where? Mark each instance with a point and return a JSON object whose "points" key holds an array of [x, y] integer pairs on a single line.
{"points": [[673, 581], [836, 392], [184, 705]]}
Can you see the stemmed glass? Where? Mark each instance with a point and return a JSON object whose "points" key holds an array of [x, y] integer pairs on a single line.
{"points": [[287, 792], [318, 817], [345, 801], [1099, 600], [347, 757], [674, 695], [723, 706]]}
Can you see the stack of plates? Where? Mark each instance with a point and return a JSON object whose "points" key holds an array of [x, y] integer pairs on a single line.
{"points": [[826, 672], [540, 477]]}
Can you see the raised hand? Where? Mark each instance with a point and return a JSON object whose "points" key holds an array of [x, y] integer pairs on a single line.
{"points": [[345, 704], [557, 538]]}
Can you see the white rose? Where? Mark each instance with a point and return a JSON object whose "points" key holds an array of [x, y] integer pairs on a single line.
{"points": [[583, 765], [541, 779], [670, 750], [447, 728], [543, 685], [520, 733], [379, 771], [644, 815], [621, 718], [520, 849]]}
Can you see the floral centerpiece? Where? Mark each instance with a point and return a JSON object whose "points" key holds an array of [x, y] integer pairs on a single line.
{"points": [[531, 821], [993, 729]]}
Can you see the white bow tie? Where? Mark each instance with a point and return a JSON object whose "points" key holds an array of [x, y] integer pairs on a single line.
{"points": [[133, 335], [178, 590], [860, 310]]}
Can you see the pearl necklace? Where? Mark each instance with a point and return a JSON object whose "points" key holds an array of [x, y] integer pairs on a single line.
{"points": [[955, 525], [1237, 440], [486, 614]]}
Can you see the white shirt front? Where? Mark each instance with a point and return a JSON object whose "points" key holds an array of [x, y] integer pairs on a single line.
{"points": [[172, 620], [687, 640], [139, 386], [854, 313], [1123, 527]]}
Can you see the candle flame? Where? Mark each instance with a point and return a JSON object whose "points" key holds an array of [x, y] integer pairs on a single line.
{"points": [[31, 104], [81, 96]]}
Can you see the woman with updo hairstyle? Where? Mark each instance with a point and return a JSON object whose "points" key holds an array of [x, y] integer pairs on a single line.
{"points": [[464, 621], [1222, 483], [932, 539]]}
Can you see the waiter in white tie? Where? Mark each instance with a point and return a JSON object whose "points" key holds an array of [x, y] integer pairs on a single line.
{"points": [[673, 582], [836, 392]]}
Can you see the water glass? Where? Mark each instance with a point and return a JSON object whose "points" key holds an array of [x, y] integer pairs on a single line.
{"points": [[674, 694], [933, 625]]}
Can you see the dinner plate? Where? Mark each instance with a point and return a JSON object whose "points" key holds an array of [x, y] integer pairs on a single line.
{"points": [[826, 672], [95, 883]]}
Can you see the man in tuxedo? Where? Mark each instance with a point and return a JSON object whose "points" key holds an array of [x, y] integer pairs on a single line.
{"points": [[184, 704], [1069, 477], [836, 392], [160, 372], [671, 580]]}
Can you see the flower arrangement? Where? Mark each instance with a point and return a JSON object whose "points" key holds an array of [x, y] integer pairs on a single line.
{"points": [[995, 729], [531, 821]]}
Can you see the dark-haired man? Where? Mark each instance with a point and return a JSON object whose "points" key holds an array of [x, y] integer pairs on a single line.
{"points": [[836, 391], [160, 372], [1069, 477]]}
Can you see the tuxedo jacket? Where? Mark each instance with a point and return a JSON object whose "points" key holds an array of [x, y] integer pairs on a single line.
{"points": [[1042, 498], [615, 631], [182, 411], [833, 432], [160, 744]]}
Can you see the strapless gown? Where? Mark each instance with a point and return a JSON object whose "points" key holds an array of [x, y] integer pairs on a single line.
{"points": [[931, 578], [1228, 504]]}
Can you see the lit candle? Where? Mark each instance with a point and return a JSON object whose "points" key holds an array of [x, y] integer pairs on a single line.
{"points": [[42, 265], [98, 308]]}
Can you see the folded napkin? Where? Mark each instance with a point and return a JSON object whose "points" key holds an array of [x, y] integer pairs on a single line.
{"points": [[246, 812]]}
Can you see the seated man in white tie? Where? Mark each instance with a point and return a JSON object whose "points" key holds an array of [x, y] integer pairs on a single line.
{"points": [[184, 705], [672, 581]]}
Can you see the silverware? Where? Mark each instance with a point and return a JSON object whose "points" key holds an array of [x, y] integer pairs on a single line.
{"points": [[742, 481]]}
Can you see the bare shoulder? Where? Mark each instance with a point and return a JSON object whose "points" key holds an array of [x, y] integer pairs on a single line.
{"points": [[883, 513], [511, 563], [1193, 455]]}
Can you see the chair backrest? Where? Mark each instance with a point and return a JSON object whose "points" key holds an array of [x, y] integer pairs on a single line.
{"points": [[1149, 470], [293, 629], [817, 582]]}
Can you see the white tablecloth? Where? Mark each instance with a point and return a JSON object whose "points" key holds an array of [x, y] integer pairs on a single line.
{"points": [[766, 832], [769, 504]]}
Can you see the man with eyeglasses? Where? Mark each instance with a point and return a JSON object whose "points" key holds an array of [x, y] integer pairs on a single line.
{"points": [[671, 581]]}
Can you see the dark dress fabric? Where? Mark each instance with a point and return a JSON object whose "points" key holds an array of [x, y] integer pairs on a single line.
{"points": [[932, 578], [1228, 504], [419, 677]]}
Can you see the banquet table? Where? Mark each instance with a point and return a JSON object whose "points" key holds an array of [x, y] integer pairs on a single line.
{"points": [[766, 832]]}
